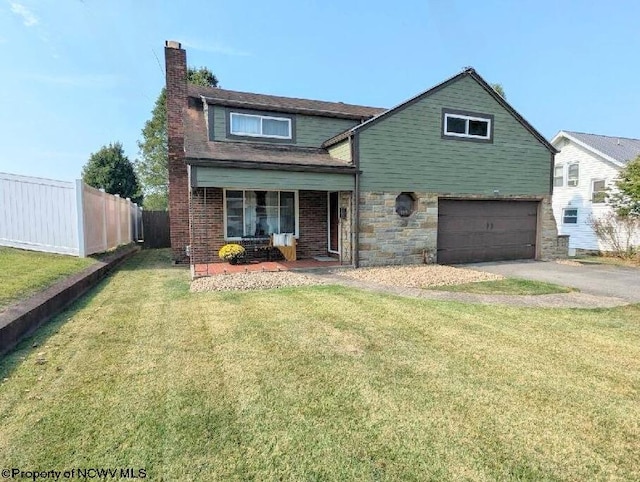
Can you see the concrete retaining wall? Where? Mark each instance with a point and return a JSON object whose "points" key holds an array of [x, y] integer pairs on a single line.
{"points": [[24, 318]]}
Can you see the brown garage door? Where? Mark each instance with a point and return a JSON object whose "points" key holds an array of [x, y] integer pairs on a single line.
{"points": [[474, 231]]}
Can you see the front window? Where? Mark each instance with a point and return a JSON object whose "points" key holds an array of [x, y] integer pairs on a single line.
{"points": [[260, 213], [470, 126], [573, 175], [558, 179], [570, 216], [598, 192], [260, 126]]}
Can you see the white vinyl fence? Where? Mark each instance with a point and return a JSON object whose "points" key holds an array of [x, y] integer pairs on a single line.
{"points": [[64, 217]]}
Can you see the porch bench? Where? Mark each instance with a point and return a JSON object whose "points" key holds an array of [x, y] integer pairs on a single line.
{"points": [[260, 248]]}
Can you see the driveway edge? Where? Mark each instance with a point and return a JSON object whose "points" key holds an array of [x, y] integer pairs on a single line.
{"points": [[22, 319]]}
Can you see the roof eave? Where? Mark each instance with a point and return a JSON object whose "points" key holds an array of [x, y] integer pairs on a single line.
{"points": [[473, 74], [270, 166], [566, 135]]}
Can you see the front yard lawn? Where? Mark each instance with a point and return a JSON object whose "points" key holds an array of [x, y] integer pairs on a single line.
{"points": [[23, 273], [321, 383], [509, 286]]}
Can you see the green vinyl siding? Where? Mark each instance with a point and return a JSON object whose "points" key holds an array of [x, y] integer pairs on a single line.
{"points": [[311, 131], [341, 151], [271, 179], [405, 151]]}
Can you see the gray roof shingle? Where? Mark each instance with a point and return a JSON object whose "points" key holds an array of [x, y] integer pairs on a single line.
{"points": [[276, 103], [622, 149]]}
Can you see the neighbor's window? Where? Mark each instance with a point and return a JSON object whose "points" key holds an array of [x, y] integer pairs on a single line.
{"points": [[570, 216], [260, 213], [598, 192], [558, 179], [573, 175], [468, 126], [260, 126]]}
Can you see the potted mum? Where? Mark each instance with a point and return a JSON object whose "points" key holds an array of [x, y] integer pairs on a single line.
{"points": [[232, 253]]}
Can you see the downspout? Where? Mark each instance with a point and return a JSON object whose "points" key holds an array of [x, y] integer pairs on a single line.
{"points": [[355, 231]]}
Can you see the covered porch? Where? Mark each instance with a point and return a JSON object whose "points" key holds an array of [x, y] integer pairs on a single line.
{"points": [[250, 206]]}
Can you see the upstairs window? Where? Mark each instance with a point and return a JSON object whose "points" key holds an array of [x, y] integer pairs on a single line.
{"points": [[253, 125], [598, 192], [573, 175], [467, 125], [558, 176]]}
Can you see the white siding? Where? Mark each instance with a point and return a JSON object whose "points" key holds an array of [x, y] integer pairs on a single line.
{"points": [[592, 167]]}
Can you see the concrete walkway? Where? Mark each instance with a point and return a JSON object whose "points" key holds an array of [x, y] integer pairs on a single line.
{"points": [[558, 300]]}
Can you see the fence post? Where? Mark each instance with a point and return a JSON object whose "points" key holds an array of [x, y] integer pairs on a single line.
{"points": [[82, 241], [105, 224], [118, 231], [129, 218]]}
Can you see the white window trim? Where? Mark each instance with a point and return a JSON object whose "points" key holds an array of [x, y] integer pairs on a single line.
{"points": [[562, 176], [577, 181], [224, 209], [563, 216], [261, 117], [467, 118], [593, 181]]}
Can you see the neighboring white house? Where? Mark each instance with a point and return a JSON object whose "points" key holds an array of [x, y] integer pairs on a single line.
{"points": [[585, 167]]}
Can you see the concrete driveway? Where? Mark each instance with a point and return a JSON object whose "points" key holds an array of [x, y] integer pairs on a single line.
{"points": [[598, 279]]}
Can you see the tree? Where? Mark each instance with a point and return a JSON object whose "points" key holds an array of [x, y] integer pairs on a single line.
{"points": [[625, 199], [620, 228], [500, 90], [111, 170], [152, 165]]}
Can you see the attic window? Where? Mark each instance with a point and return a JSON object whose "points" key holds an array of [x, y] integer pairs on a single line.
{"points": [[252, 125], [467, 125]]}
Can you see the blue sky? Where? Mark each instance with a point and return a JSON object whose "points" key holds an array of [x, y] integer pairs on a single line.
{"points": [[76, 75]]}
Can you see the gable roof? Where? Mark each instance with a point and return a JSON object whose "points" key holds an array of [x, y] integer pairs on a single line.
{"points": [[466, 72], [247, 100], [618, 150]]}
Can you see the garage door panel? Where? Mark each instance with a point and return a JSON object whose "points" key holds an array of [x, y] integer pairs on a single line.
{"points": [[472, 231]]}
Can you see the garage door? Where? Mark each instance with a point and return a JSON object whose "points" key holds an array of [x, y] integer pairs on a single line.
{"points": [[474, 231]]}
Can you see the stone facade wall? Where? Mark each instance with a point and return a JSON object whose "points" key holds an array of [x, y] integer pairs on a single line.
{"points": [[386, 238], [550, 245], [345, 201]]}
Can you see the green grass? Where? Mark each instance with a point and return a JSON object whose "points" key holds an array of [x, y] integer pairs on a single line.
{"points": [[509, 286], [613, 260], [23, 273], [322, 383]]}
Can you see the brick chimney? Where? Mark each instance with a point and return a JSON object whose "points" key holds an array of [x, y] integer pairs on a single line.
{"points": [[176, 72]]}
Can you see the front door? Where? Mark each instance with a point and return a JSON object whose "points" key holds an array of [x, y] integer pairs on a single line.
{"points": [[333, 223]]}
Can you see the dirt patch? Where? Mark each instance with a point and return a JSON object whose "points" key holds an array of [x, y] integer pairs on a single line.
{"points": [[568, 262], [421, 276], [253, 281]]}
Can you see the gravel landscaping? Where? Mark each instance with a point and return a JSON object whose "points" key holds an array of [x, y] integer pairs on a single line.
{"points": [[254, 281], [421, 276]]}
